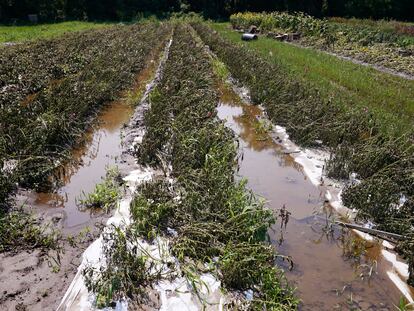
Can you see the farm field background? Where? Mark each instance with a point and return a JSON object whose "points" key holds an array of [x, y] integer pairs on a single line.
{"points": [[392, 98], [386, 44], [45, 31], [168, 164]]}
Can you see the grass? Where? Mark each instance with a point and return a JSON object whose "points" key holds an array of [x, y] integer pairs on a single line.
{"points": [[43, 31], [391, 98]]}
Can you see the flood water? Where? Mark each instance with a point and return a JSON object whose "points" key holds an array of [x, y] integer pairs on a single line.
{"points": [[101, 149], [333, 269]]}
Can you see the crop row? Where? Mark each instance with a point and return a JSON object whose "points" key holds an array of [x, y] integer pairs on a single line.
{"points": [[28, 68], [370, 44], [35, 137], [214, 218], [383, 162]]}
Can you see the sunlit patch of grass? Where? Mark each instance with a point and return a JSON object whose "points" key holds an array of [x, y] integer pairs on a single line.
{"points": [[220, 69], [44, 31]]}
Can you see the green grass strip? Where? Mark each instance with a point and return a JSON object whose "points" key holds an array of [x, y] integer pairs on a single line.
{"points": [[44, 31]]}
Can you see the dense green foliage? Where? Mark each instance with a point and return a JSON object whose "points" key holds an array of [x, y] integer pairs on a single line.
{"points": [[383, 160], [388, 44], [215, 219], [53, 10]]}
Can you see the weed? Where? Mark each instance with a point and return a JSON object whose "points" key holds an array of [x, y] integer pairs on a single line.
{"points": [[105, 195], [220, 69]]}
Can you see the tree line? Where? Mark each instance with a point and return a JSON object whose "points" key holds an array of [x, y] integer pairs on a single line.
{"points": [[56, 10]]}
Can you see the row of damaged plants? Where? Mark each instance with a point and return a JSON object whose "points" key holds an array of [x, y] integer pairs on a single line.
{"points": [[376, 159], [213, 224], [37, 136], [371, 44]]}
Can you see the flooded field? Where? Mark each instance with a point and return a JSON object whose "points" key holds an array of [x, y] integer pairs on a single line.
{"points": [[101, 149], [333, 269], [160, 206]]}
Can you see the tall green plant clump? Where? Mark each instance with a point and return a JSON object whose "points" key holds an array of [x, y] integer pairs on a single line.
{"points": [[382, 159], [298, 22], [214, 224]]}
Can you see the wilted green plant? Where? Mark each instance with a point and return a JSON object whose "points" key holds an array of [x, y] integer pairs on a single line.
{"points": [[127, 272], [22, 231], [105, 195]]}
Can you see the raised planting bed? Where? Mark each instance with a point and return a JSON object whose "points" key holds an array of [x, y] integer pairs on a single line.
{"points": [[39, 133]]}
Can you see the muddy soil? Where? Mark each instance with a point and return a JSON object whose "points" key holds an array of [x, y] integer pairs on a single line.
{"points": [[32, 280], [35, 280]]}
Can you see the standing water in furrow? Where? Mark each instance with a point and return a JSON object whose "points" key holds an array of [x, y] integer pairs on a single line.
{"points": [[89, 163], [331, 268]]}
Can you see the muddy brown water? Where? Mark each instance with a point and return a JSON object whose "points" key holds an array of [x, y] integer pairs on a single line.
{"points": [[333, 269], [102, 149]]}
